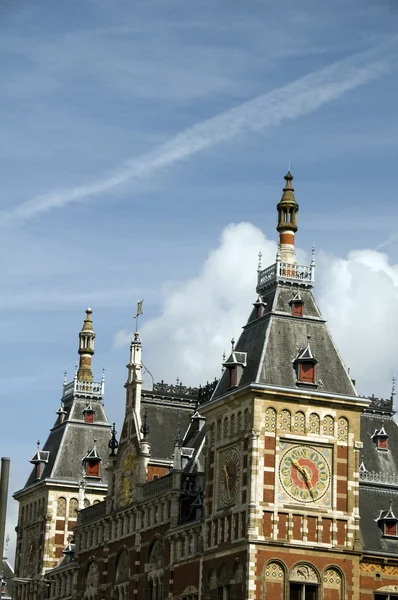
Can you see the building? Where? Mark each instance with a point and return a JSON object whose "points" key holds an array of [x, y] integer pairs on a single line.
{"points": [[282, 486]]}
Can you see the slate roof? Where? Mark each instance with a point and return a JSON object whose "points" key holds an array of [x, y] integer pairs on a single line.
{"points": [[272, 343], [379, 484], [69, 442], [163, 413]]}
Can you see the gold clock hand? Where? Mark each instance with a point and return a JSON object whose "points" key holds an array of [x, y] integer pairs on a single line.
{"points": [[227, 482]]}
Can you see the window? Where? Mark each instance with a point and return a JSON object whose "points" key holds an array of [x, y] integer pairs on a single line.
{"points": [[303, 591], [386, 596], [390, 528], [297, 309], [233, 376], [92, 468], [307, 372], [382, 443], [89, 416]]}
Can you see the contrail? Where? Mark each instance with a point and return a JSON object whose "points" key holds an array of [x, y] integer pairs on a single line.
{"points": [[289, 102]]}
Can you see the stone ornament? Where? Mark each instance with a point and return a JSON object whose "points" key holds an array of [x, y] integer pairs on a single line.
{"points": [[332, 578], [285, 420], [270, 420], [299, 422], [122, 569], [274, 571], [342, 430], [92, 578], [328, 426], [314, 425], [156, 555], [304, 573]]}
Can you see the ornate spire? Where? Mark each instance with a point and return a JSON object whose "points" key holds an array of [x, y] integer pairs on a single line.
{"points": [[287, 221], [86, 348]]}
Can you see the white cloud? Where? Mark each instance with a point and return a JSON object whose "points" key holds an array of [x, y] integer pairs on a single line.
{"points": [[289, 102], [358, 295]]}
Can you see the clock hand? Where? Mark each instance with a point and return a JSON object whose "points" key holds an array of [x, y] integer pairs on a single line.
{"points": [[227, 481]]}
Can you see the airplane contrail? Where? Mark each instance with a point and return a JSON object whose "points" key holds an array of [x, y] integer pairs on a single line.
{"points": [[289, 102]]}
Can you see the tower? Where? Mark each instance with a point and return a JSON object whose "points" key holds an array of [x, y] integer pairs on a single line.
{"points": [[284, 440], [73, 457]]}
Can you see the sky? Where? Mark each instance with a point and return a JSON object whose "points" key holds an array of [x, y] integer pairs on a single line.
{"points": [[143, 149]]}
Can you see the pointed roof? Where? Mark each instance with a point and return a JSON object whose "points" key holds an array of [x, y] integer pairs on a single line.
{"points": [[288, 191], [274, 342], [93, 453]]}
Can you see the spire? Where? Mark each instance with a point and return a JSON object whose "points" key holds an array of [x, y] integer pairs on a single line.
{"points": [[145, 426], [287, 221], [86, 348], [113, 443]]}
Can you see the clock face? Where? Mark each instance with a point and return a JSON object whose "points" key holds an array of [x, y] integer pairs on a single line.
{"points": [[304, 474], [229, 476]]}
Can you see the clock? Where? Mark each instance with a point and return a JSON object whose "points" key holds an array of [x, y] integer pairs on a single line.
{"points": [[304, 474], [229, 474]]}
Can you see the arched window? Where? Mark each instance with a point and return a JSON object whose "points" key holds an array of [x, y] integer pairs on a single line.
{"points": [[73, 504], [61, 507]]}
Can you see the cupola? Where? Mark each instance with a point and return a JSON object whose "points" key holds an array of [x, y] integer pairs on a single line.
{"points": [[91, 462], [86, 348], [387, 521], [39, 460], [235, 365], [287, 221], [305, 365]]}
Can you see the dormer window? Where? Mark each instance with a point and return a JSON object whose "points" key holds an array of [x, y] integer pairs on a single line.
{"points": [[91, 463], [296, 304], [92, 468], [305, 364], [307, 372], [235, 365], [387, 521], [39, 460], [380, 438], [259, 305], [89, 414]]}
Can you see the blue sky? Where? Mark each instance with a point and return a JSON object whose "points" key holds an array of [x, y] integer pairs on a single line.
{"points": [[134, 132]]}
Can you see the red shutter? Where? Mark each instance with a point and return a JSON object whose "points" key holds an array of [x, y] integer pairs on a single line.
{"points": [[92, 468], [390, 528], [297, 309], [307, 373], [89, 416], [382, 443], [233, 376]]}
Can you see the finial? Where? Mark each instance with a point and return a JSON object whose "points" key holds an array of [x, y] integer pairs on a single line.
{"points": [[103, 375], [288, 178], [76, 369], [224, 357], [113, 443], [38, 445], [260, 255], [145, 426], [313, 256], [232, 345], [308, 341], [178, 381], [65, 374], [393, 392], [6, 548], [278, 252]]}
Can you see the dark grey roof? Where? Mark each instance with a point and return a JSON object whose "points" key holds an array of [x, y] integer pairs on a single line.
{"points": [[379, 461], [70, 441], [163, 414], [272, 343], [372, 500]]}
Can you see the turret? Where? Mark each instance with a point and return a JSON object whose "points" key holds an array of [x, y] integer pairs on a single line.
{"points": [[86, 348], [287, 221]]}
